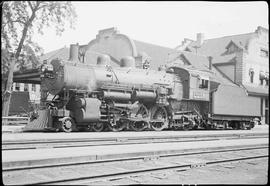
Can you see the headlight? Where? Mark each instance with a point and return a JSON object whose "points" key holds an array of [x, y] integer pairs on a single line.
{"points": [[49, 67]]}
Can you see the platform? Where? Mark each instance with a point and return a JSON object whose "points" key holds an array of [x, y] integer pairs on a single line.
{"points": [[34, 157]]}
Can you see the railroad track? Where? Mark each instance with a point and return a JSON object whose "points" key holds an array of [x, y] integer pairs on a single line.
{"points": [[90, 172], [66, 143]]}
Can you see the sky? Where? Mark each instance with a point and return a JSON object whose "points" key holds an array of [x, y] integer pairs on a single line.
{"points": [[161, 23]]}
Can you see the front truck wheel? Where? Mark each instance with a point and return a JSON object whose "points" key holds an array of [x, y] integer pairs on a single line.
{"points": [[67, 124], [98, 126]]}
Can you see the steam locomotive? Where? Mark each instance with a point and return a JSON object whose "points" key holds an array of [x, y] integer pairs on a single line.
{"points": [[99, 97]]}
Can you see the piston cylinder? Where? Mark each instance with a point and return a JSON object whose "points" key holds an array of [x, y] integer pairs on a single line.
{"points": [[89, 111]]}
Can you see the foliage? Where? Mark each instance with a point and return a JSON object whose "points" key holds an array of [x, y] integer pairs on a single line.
{"points": [[21, 19]]}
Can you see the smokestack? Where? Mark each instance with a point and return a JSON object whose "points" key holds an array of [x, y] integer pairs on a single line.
{"points": [[200, 38], [210, 58], [74, 52]]}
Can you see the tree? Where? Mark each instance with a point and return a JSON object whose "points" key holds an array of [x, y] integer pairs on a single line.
{"points": [[20, 19]]}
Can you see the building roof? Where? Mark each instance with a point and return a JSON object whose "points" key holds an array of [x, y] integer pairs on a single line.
{"points": [[257, 91], [224, 59], [200, 62], [158, 54], [217, 46], [62, 53]]}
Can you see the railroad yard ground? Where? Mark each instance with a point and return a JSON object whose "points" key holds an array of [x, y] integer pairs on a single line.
{"points": [[121, 158], [252, 172]]}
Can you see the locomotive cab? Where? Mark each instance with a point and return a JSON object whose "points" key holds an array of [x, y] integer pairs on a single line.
{"points": [[195, 83]]}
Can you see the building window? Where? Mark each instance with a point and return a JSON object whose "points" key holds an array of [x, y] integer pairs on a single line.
{"points": [[17, 86], [26, 87], [266, 111], [34, 87], [251, 75], [267, 78], [267, 82], [203, 83], [262, 77], [264, 53], [232, 49], [261, 80]]}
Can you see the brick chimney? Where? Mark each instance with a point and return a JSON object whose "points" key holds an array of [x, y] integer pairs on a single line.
{"points": [[210, 58], [200, 38]]}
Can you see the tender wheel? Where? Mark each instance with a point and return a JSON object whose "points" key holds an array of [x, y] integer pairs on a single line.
{"points": [[159, 117], [225, 125], [249, 126], [98, 127], [67, 124], [236, 125], [142, 114]]}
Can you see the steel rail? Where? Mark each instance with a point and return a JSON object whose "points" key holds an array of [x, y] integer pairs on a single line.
{"points": [[132, 138], [66, 143], [170, 167]]}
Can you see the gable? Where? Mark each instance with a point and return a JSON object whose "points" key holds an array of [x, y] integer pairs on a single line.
{"points": [[110, 42], [232, 47], [184, 60]]}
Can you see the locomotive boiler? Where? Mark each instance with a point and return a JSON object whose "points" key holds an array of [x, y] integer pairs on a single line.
{"points": [[95, 97]]}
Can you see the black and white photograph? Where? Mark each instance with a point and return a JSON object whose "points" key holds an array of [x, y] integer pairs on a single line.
{"points": [[135, 92]]}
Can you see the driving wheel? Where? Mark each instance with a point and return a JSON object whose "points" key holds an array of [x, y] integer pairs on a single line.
{"points": [[116, 125], [141, 115], [159, 117]]}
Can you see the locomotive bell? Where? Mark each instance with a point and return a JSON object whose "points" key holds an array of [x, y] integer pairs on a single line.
{"points": [[127, 61], [103, 60]]}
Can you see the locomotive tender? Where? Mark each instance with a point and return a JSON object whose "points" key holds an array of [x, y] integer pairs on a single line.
{"points": [[96, 97]]}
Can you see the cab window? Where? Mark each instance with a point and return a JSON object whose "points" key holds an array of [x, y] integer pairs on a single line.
{"points": [[203, 83]]}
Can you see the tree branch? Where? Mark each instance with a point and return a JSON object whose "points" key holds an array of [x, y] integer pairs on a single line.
{"points": [[25, 29], [37, 5], [31, 6], [19, 21], [42, 6]]}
